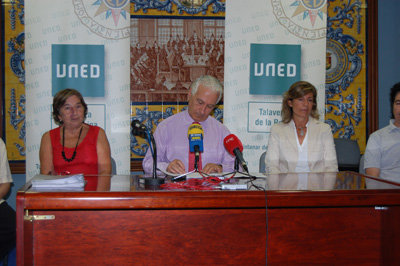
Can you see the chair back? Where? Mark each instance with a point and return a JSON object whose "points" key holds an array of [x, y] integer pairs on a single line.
{"points": [[113, 166], [348, 154], [361, 168], [262, 163]]}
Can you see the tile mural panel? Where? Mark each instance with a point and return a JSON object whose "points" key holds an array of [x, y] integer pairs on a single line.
{"points": [[175, 41]]}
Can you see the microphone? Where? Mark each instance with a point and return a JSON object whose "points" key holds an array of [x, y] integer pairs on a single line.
{"points": [[138, 129], [235, 147], [195, 135]]}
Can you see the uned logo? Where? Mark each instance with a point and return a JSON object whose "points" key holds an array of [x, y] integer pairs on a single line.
{"points": [[80, 67], [273, 68]]}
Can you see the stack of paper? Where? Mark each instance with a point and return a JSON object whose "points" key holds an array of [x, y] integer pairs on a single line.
{"points": [[53, 181]]}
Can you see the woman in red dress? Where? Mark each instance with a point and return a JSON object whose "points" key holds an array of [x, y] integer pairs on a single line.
{"points": [[75, 147]]}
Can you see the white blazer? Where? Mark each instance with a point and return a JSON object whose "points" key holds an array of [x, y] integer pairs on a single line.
{"points": [[282, 153]]}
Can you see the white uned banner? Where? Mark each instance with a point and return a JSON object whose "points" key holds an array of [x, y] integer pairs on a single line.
{"points": [[303, 23], [78, 22]]}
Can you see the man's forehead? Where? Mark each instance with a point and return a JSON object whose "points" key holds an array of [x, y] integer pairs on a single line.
{"points": [[206, 94]]}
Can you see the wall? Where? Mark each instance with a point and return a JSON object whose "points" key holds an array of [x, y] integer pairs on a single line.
{"points": [[388, 54]]}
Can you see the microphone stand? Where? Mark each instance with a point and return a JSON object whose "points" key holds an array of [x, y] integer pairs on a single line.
{"points": [[154, 156], [196, 167], [196, 158], [236, 165], [236, 168], [138, 129], [154, 181]]}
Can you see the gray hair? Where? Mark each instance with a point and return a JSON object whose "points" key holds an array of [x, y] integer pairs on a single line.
{"points": [[210, 82]]}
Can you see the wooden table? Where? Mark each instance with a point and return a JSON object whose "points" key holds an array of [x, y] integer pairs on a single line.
{"points": [[317, 218]]}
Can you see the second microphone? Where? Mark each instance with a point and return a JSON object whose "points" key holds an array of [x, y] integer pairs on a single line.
{"points": [[195, 135]]}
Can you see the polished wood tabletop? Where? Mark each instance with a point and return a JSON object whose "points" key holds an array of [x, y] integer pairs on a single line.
{"points": [[311, 189], [302, 218]]}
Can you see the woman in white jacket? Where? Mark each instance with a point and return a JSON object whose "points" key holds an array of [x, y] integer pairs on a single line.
{"points": [[301, 143]]}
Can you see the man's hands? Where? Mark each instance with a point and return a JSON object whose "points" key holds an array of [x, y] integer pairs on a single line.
{"points": [[177, 167], [212, 168]]}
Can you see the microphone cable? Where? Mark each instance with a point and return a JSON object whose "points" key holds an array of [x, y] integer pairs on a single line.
{"points": [[207, 182], [266, 214], [149, 141]]}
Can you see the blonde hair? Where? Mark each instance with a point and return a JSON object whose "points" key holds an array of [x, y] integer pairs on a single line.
{"points": [[298, 90]]}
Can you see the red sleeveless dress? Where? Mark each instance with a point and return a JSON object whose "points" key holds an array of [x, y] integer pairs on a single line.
{"points": [[85, 161]]}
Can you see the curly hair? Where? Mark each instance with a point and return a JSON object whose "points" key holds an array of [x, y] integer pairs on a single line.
{"points": [[59, 100], [298, 90]]}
